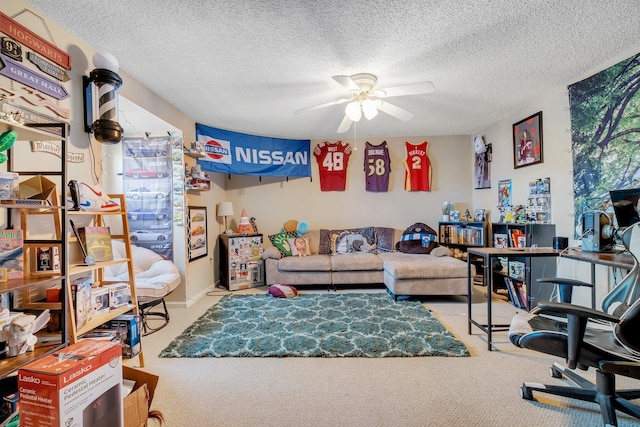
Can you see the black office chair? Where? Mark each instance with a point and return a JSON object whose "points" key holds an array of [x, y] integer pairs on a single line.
{"points": [[576, 334], [620, 298]]}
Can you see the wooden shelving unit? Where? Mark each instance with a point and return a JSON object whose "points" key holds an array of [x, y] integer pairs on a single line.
{"points": [[101, 219]]}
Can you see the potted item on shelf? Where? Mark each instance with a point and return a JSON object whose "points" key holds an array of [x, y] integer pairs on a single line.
{"points": [[446, 211]]}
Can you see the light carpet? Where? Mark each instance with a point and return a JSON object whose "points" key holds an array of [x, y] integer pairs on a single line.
{"points": [[315, 325]]}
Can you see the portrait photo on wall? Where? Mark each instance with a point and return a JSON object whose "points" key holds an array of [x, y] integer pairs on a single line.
{"points": [[527, 141]]}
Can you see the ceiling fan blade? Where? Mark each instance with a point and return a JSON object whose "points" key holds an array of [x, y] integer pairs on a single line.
{"points": [[326, 104], [345, 124], [402, 90], [347, 83], [395, 111]]}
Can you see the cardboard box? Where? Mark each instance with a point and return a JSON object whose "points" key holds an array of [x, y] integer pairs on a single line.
{"points": [[99, 301], [137, 403], [81, 297], [119, 294], [127, 327], [53, 294], [9, 185], [37, 187], [80, 385]]}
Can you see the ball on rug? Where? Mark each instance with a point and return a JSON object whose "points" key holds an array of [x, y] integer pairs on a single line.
{"points": [[282, 291]]}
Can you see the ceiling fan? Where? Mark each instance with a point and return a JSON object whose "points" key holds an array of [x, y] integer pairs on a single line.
{"points": [[366, 100]]}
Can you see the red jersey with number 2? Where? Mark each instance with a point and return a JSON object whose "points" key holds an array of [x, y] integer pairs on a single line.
{"points": [[333, 160], [417, 167]]}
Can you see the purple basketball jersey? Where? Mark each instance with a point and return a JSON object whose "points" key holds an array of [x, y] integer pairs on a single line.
{"points": [[377, 167]]}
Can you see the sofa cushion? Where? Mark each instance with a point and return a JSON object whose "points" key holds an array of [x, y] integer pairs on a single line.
{"points": [[282, 291], [324, 242], [154, 276], [419, 238], [280, 241], [418, 266], [356, 262], [299, 246], [385, 239], [307, 263], [354, 240]]}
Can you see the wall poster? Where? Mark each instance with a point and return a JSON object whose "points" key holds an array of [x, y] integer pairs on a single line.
{"points": [[147, 184], [605, 132], [198, 244]]}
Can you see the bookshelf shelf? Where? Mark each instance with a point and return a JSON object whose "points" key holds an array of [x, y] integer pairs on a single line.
{"points": [[512, 274], [17, 292], [462, 235]]}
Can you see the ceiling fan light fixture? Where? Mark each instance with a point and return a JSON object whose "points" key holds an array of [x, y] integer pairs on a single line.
{"points": [[370, 109], [353, 111]]}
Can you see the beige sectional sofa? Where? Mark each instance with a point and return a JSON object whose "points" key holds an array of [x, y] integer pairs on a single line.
{"points": [[402, 273]]}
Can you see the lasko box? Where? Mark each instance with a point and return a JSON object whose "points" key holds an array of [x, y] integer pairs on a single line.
{"points": [[79, 385]]}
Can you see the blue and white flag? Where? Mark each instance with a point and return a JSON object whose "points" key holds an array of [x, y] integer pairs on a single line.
{"points": [[239, 153]]}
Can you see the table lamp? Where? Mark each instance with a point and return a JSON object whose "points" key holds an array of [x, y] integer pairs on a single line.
{"points": [[225, 209]]}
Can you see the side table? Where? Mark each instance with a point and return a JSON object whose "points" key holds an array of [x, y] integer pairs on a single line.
{"points": [[487, 255]]}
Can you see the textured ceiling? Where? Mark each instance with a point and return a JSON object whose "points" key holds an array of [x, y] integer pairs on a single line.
{"points": [[247, 65]]}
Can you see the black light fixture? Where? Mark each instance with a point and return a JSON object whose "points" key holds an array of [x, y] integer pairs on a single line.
{"points": [[105, 77]]}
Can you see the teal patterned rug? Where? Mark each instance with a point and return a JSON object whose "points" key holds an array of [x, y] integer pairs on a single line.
{"points": [[315, 325]]}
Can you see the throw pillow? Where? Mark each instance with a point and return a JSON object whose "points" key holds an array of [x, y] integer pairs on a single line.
{"points": [[361, 240], [282, 291], [299, 246], [280, 241], [324, 244], [384, 239], [418, 239]]}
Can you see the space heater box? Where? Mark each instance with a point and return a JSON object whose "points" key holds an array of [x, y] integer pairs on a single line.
{"points": [[79, 385]]}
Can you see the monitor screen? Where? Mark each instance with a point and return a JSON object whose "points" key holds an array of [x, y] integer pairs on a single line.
{"points": [[625, 206]]}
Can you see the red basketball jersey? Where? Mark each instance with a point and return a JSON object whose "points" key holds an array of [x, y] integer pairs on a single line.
{"points": [[417, 167], [333, 160]]}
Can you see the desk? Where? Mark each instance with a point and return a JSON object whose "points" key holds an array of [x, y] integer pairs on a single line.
{"points": [[487, 255], [622, 260]]}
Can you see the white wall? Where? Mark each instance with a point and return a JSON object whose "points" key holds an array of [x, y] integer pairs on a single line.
{"points": [[274, 200], [198, 276], [557, 161], [557, 164]]}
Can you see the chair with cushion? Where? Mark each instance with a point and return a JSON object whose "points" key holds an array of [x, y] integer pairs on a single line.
{"points": [[155, 278], [618, 300], [588, 338]]}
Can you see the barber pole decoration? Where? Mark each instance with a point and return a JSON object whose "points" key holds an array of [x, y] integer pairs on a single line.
{"points": [[106, 94], [105, 77]]}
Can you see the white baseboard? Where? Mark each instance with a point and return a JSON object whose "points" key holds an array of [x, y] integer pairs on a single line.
{"points": [[191, 301]]}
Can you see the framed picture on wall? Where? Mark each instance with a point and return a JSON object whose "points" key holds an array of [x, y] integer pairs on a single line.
{"points": [[527, 141], [198, 246]]}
